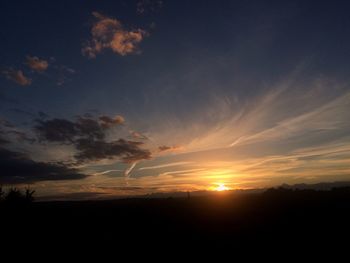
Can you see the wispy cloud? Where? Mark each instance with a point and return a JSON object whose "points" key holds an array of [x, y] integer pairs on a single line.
{"points": [[293, 131], [108, 171], [163, 165]]}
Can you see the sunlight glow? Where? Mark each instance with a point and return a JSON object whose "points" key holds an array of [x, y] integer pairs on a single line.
{"points": [[221, 187]]}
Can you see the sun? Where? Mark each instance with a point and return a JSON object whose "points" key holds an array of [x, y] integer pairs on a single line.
{"points": [[221, 187]]}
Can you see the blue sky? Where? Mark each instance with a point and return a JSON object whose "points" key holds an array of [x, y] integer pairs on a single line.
{"points": [[185, 95]]}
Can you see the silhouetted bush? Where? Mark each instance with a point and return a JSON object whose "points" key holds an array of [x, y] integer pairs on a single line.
{"points": [[15, 196]]}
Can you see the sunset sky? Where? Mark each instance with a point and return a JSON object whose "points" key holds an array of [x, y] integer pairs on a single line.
{"points": [[116, 98]]}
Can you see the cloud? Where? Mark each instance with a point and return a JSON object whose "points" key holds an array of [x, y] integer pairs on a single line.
{"points": [[90, 128], [37, 64], [17, 76], [109, 33], [66, 131], [165, 148], [126, 151], [2, 139], [108, 122], [20, 136], [9, 131], [164, 165], [138, 136], [18, 168], [56, 130], [6, 123], [88, 136], [127, 172], [108, 171]]}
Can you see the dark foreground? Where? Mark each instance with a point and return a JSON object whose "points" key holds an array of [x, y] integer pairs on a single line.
{"points": [[278, 219]]}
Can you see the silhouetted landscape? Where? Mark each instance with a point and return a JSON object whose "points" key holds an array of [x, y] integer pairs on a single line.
{"points": [[278, 217]]}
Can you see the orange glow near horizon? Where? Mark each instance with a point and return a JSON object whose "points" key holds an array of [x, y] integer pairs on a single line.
{"points": [[221, 187]]}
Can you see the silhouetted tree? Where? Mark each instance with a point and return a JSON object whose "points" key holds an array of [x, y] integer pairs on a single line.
{"points": [[29, 195], [15, 196]]}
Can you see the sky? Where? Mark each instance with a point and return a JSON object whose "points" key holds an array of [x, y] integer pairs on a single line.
{"points": [[100, 99]]}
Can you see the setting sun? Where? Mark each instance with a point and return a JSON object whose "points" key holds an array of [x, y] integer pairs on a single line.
{"points": [[221, 187]]}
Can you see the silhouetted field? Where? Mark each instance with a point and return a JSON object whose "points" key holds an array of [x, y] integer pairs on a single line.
{"points": [[277, 218]]}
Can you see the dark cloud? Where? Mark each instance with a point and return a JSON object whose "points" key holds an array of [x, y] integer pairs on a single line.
{"points": [[18, 168], [2, 139], [66, 131], [88, 136], [90, 128], [165, 148], [6, 123], [56, 130], [21, 136], [127, 151]]}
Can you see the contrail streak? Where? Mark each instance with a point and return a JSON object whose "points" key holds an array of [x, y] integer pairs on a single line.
{"points": [[128, 171]]}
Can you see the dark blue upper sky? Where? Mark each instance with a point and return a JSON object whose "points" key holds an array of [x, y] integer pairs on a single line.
{"points": [[194, 48]]}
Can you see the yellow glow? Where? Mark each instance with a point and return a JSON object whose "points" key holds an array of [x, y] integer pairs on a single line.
{"points": [[221, 187]]}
